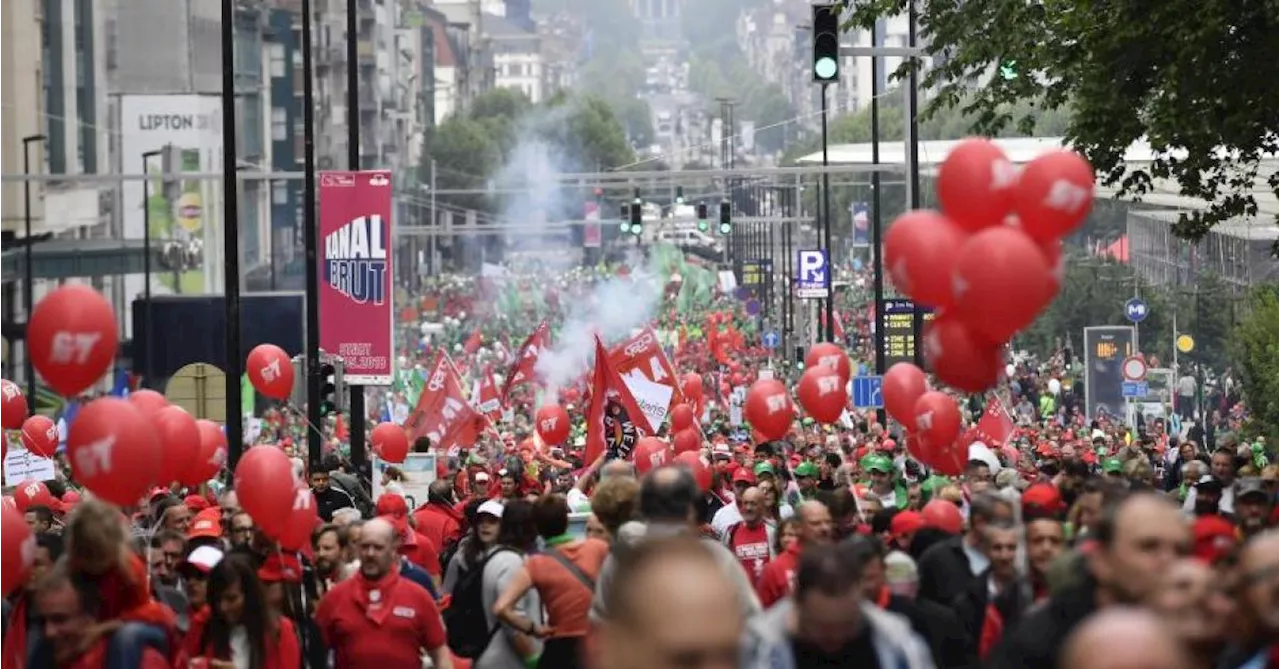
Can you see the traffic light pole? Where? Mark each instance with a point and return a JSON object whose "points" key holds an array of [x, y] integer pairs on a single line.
{"points": [[830, 332], [230, 241], [913, 166], [311, 240], [877, 259], [355, 402]]}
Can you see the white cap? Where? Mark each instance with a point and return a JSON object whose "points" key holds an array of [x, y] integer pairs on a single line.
{"points": [[492, 507], [482, 476], [204, 558]]}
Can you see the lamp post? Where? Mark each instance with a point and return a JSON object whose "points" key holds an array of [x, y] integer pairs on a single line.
{"points": [[28, 281], [146, 267]]}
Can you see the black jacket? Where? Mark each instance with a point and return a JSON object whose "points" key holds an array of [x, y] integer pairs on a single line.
{"points": [[944, 571], [331, 499], [1011, 603], [1036, 641], [941, 630]]}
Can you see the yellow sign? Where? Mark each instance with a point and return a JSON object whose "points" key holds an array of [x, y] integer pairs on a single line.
{"points": [[1185, 343]]}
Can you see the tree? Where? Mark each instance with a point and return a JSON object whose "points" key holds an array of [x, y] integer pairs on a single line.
{"points": [[1198, 79], [1254, 352], [465, 157]]}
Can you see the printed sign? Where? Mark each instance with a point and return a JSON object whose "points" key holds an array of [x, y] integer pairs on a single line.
{"points": [[811, 274], [20, 465], [419, 471], [355, 274]]}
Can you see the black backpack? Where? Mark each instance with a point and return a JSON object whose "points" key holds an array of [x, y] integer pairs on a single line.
{"points": [[465, 622]]}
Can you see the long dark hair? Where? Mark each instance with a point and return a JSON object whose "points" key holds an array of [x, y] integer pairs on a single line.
{"points": [[237, 570], [518, 530], [470, 546]]}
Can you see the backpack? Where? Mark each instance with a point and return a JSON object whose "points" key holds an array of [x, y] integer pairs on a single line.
{"points": [[446, 554], [465, 622]]}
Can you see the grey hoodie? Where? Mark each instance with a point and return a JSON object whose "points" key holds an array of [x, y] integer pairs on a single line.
{"points": [[633, 532], [767, 643]]}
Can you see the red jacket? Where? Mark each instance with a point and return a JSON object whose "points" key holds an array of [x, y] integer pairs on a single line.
{"points": [[779, 577], [96, 658], [283, 650], [439, 523]]}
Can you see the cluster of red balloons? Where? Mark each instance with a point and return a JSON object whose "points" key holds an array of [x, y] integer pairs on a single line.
{"points": [[278, 501], [932, 418], [686, 433], [121, 448], [823, 392], [991, 260]]}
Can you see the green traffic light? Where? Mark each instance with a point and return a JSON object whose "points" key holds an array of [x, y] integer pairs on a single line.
{"points": [[1009, 70], [635, 229], [626, 226], [825, 67], [702, 226], [725, 228]]}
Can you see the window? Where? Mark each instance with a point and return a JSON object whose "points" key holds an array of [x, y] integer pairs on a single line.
{"points": [[279, 192], [279, 124], [276, 54]]}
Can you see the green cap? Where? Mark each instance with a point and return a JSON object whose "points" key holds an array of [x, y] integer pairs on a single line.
{"points": [[1112, 466], [877, 463], [806, 469], [763, 468]]}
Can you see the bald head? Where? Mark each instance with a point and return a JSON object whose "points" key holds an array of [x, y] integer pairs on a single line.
{"points": [[617, 469], [1122, 638], [377, 549], [815, 523], [380, 530]]}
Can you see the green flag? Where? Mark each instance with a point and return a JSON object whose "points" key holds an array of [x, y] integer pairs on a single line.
{"points": [[248, 396]]}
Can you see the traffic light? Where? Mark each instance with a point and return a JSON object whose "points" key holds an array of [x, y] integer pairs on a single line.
{"points": [[826, 43], [679, 194], [726, 217], [637, 222], [298, 396], [330, 386], [703, 226], [624, 218]]}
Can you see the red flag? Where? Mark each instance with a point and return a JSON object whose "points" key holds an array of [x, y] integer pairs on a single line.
{"points": [[486, 395], [643, 355], [838, 323], [527, 358], [615, 420], [473, 342], [995, 427], [443, 414]]}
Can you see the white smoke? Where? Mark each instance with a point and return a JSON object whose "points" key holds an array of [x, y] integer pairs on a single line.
{"points": [[614, 310]]}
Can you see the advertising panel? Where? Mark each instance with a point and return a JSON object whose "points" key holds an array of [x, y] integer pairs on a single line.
{"points": [[1105, 348], [355, 273]]}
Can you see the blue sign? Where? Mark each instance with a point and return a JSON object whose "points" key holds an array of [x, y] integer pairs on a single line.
{"points": [[812, 274], [866, 392], [771, 339], [1136, 310], [1134, 389]]}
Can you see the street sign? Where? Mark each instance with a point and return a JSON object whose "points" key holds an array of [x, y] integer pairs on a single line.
{"points": [[866, 392], [1136, 310], [811, 274], [1185, 343], [1134, 368], [1134, 389], [771, 339]]}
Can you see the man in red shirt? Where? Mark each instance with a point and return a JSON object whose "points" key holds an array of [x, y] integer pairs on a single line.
{"points": [[378, 619], [414, 546], [750, 540], [779, 577], [74, 636], [437, 520]]}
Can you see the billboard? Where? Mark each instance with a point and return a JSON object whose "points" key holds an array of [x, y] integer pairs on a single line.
{"points": [[860, 215], [1105, 348], [355, 273], [184, 132]]}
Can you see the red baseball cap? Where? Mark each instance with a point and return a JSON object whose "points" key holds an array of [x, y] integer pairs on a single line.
{"points": [[391, 504], [280, 567], [744, 475], [906, 522], [1214, 538], [1041, 498], [196, 503], [206, 525]]}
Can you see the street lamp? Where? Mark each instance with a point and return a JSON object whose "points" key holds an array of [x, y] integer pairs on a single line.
{"points": [[28, 297], [146, 264]]}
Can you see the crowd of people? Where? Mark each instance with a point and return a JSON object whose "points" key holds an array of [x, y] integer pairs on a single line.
{"points": [[1068, 544]]}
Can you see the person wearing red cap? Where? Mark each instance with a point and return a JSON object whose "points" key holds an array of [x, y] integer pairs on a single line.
{"points": [[902, 529], [1213, 538], [375, 618], [731, 514], [417, 548]]}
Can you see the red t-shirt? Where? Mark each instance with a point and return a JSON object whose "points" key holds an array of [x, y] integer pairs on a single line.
{"points": [[420, 552], [779, 577], [751, 547], [412, 625], [96, 658]]}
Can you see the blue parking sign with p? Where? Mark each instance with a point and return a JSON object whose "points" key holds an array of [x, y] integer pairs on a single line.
{"points": [[812, 274]]}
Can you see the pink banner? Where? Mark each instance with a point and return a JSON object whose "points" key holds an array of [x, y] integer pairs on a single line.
{"points": [[355, 273]]}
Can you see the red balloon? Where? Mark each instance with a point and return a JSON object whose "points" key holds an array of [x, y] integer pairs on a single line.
{"points": [[691, 386], [180, 443], [1056, 260], [943, 515], [701, 472], [72, 335], [976, 184], [213, 454], [40, 436], [686, 440], [114, 451], [1054, 194], [390, 442], [270, 371], [650, 453], [681, 417], [822, 394], [301, 520], [937, 420], [13, 405], [149, 402], [768, 408], [264, 484], [1001, 282], [552, 423], [830, 356], [947, 459], [17, 550], [916, 449], [959, 358], [919, 252], [31, 493], [903, 384]]}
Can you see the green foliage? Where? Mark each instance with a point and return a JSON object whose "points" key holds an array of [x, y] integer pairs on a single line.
{"points": [[465, 155], [1255, 354], [729, 76], [1197, 78]]}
